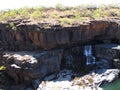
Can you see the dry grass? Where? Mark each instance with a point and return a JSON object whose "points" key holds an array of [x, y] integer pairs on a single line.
{"points": [[66, 15]]}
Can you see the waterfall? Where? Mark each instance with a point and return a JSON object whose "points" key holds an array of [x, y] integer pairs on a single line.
{"points": [[90, 59]]}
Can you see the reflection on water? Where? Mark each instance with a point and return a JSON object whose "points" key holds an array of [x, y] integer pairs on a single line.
{"points": [[112, 86]]}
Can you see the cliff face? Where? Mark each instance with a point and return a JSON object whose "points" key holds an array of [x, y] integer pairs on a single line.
{"points": [[54, 48], [31, 37], [108, 52]]}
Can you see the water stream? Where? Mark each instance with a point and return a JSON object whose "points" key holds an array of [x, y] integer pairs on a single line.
{"points": [[90, 59]]}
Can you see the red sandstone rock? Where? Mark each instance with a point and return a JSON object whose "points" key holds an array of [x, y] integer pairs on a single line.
{"points": [[28, 37]]}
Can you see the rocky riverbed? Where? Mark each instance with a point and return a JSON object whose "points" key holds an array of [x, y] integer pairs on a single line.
{"points": [[67, 80]]}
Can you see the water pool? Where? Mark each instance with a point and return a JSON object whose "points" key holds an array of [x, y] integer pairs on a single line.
{"points": [[112, 86]]}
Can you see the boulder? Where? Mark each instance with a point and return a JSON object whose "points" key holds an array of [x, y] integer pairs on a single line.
{"points": [[25, 66]]}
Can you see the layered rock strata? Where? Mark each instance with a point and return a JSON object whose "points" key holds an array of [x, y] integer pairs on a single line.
{"points": [[54, 47], [30, 36]]}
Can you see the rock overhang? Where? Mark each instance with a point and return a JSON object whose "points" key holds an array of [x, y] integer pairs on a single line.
{"points": [[28, 37]]}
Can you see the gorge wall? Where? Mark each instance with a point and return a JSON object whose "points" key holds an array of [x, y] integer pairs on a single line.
{"points": [[30, 52], [27, 36]]}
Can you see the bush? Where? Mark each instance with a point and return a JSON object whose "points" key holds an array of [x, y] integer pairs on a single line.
{"points": [[79, 12], [60, 7], [12, 25], [40, 8], [118, 13], [97, 13], [36, 14], [2, 68], [67, 21]]}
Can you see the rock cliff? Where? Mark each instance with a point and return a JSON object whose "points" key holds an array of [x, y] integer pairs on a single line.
{"points": [[30, 51], [30, 36], [109, 52]]}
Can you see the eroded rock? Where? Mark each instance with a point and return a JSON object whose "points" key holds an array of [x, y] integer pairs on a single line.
{"points": [[64, 80], [25, 66], [31, 36]]}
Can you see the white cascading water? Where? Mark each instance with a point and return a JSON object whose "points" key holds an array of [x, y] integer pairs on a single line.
{"points": [[90, 59]]}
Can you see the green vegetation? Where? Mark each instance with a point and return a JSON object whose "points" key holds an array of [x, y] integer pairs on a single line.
{"points": [[25, 12], [12, 25], [36, 14], [2, 68], [61, 7], [66, 15], [66, 21]]}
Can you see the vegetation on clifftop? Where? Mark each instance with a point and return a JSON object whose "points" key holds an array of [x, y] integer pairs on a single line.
{"points": [[65, 15], [2, 68]]}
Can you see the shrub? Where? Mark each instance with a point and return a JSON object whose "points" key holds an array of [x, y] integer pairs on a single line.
{"points": [[97, 13], [12, 25], [40, 8], [60, 7], [5, 15], [36, 14], [23, 11], [118, 13], [66, 21], [62, 12], [2, 68]]}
